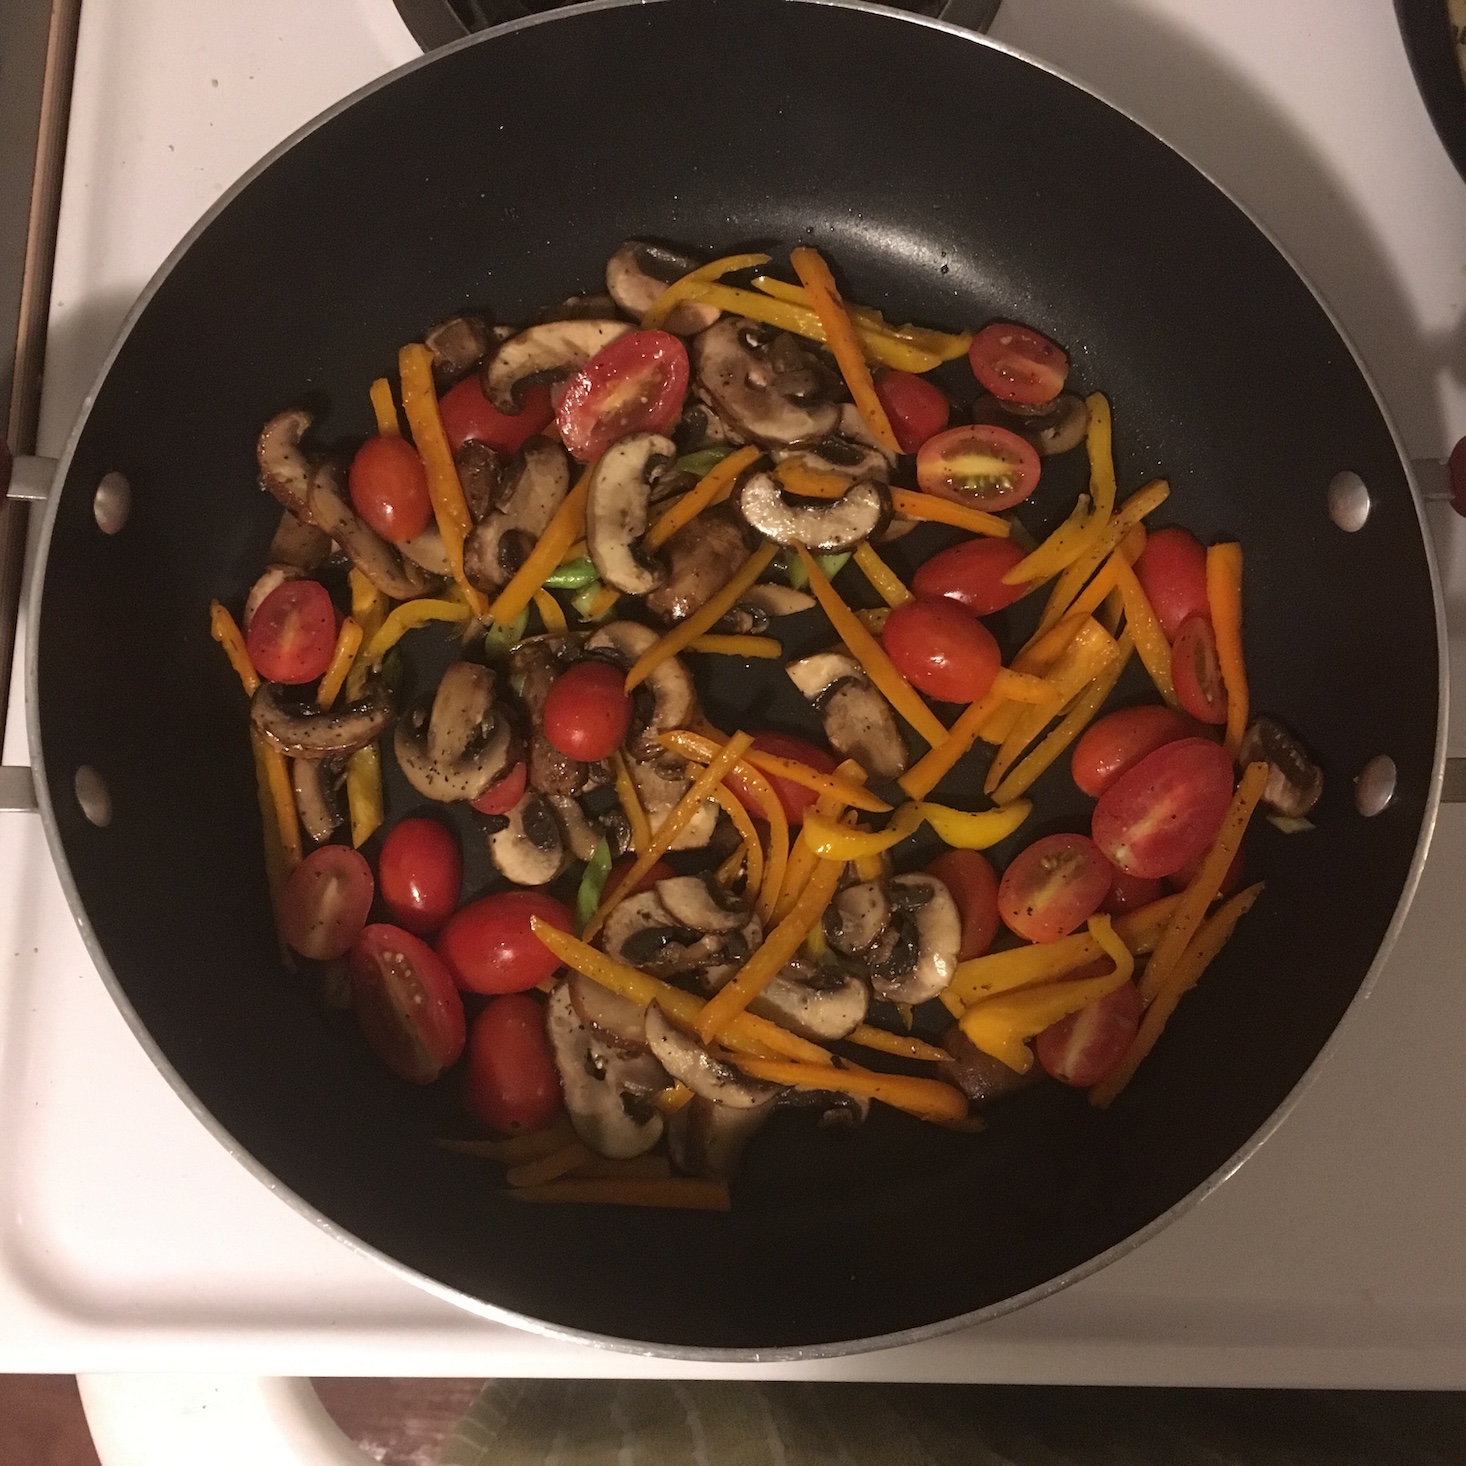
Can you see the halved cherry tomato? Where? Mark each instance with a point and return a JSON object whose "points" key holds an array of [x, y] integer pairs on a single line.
{"points": [[489, 947], [505, 792], [1232, 881], [942, 649], [917, 408], [1172, 572], [973, 882], [325, 902], [513, 1086], [293, 632], [467, 413], [1082, 1048], [587, 711], [980, 465], [406, 1004], [796, 799], [971, 574], [1053, 886], [419, 872], [1118, 741], [1128, 893], [634, 385], [661, 871], [1167, 809], [1018, 365], [1197, 671], [389, 487]]}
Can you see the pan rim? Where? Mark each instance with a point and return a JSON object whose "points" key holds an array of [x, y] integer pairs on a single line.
{"points": [[691, 1353]]}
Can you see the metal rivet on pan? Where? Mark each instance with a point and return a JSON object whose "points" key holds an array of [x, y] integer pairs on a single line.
{"points": [[93, 796], [1375, 786], [1349, 504], [112, 503]]}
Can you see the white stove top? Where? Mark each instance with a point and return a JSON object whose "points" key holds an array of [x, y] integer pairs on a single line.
{"points": [[130, 1240]]}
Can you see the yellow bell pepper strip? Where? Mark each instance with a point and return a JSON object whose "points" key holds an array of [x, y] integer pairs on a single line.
{"points": [[225, 630], [1023, 687], [569, 1157], [369, 606], [871, 867], [812, 483], [675, 1193], [927, 1099], [1022, 777], [938, 344], [1102, 488], [844, 343], [771, 882], [768, 959], [348, 643], [631, 806], [884, 581], [732, 806], [752, 648], [1142, 928], [872, 657], [712, 488], [1206, 884], [672, 1099], [928, 771], [364, 794], [271, 762], [1021, 967], [384, 409], [407, 617], [803, 860], [686, 287], [567, 526], [551, 615], [967, 831], [1198, 956], [701, 749], [578, 551], [913, 504], [1057, 552], [1112, 613], [729, 871], [704, 618], [1150, 640], [903, 1045], [662, 837], [828, 839], [450, 508], [1224, 599], [815, 946]]}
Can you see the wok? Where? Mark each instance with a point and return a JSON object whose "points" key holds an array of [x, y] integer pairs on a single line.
{"points": [[951, 182]]}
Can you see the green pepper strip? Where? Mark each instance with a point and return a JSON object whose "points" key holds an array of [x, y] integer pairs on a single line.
{"points": [[592, 883], [572, 576]]}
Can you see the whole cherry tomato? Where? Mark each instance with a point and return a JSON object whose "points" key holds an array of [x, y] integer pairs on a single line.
{"points": [[389, 487], [1018, 365], [1053, 886], [1119, 740], [661, 871], [916, 408], [1197, 671], [795, 798], [489, 947], [1172, 572], [325, 902], [505, 792], [467, 413], [971, 573], [587, 711], [406, 1004], [942, 649], [980, 465], [513, 1086], [1129, 893], [969, 876], [419, 872], [292, 632], [1082, 1048], [634, 385]]}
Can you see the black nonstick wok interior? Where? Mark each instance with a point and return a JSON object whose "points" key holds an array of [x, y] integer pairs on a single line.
{"points": [[950, 183]]}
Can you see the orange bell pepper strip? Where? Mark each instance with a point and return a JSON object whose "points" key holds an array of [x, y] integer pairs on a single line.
{"points": [[348, 643], [567, 526], [927, 1099], [812, 483], [700, 749], [225, 630], [884, 581], [912, 504], [384, 409], [687, 287], [1150, 640], [1224, 598], [732, 806]]}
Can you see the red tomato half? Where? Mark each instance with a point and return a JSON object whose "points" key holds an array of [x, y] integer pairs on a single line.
{"points": [[406, 1004], [1053, 886], [513, 1086], [419, 872], [1118, 741], [795, 798], [972, 575], [942, 650], [970, 878], [634, 385], [489, 947], [1167, 809], [1082, 1048], [292, 632], [504, 793], [980, 465], [917, 408], [1018, 365], [587, 711], [467, 413], [1172, 572], [1129, 893], [389, 487], [325, 902], [1197, 671], [661, 871]]}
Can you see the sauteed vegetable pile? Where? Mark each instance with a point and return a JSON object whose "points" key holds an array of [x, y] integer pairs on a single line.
{"points": [[665, 476]]}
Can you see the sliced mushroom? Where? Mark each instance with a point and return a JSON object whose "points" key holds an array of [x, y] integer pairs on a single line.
{"points": [[821, 1004], [849, 450], [553, 348], [457, 744], [660, 792], [616, 512], [701, 558], [317, 784], [761, 399], [641, 932], [1054, 427], [700, 427], [480, 474], [616, 1020], [777, 600], [672, 690], [302, 730], [703, 904], [273, 577], [928, 936], [428, 551], [690, 1063], [707, 1139], [529, 850], [857, 720], [608, 1093], [981, 1077], [824, 525], [582, 308], [1294, 782], [580, 835], [837, 1111], [526, 496], [638, 273], [458, 345], [857, 917], [299, 544]]}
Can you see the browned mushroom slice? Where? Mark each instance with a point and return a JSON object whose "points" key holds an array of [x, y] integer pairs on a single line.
{"points": [[747, 373], [454, 746], [528, 494], [701, 903], [428, 551], [318, 785], [850, 450], [702, 557], [916, 956], [638, 273], [298, 544], [705, 1138], [533, 667], [688, 1062], [672, 690], [458, 345], [480, 474], [553, 348], [857, 720], [617, 509], [303, 731], [641, 932], [1294, 782], [530, 849], [823, 525], [580, 835], [821, 1004]]}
